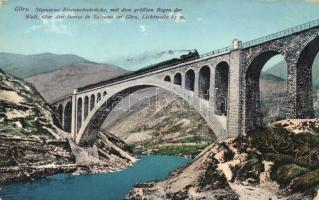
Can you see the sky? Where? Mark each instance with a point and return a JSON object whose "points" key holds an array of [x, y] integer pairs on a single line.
{"points": [[132, 44]]}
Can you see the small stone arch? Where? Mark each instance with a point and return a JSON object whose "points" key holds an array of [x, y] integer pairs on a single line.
{"points": [[60, 112], [178, 79], [190, 80], [92, 102], [98, 98], [86, 106], [204, 82], [79, 113], [167, 78], [68, 116], [221, 88]]}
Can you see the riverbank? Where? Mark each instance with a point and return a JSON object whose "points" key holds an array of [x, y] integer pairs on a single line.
{"points": [[104, 186], [26, 158]]}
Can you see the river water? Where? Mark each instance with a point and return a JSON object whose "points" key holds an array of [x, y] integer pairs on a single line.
{"points": [[110, 186]]}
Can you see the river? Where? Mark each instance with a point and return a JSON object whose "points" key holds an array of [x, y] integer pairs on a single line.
{"points": [[110, 186]]}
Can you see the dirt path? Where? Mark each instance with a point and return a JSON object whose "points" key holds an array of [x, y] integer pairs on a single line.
{"points": [[253, 193]]}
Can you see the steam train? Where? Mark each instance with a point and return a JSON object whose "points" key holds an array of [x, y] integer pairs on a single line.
{"points": [[183, 58]]}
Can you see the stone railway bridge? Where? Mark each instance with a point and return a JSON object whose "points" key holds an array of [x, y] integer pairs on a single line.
{"points": [[223, 85]]}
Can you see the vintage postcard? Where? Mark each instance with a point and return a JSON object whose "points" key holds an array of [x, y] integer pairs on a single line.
{"points": [[159, 99]]}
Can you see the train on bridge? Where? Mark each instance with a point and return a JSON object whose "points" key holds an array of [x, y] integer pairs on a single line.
{"points": [[192, 55]]}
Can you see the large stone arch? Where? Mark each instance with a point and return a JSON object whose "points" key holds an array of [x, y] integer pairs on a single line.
{"points": [[253, 114], [221, 88], [304, 92], [204, 82], [190, 80], [68, 116], [167, 78], [96, 117]]}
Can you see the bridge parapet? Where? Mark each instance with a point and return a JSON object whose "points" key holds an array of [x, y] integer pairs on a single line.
{"points": [[284, 33]]}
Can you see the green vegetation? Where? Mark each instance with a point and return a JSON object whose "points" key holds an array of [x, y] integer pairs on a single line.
{"points": [[183, 150], [213, 179], [295, 157], [308, 183], [195, 139], [286, 173]]}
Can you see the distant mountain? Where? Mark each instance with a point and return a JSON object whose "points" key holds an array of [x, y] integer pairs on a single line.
{"points": [[60, 82], [280, 70], [24, 66], [270, 77]]}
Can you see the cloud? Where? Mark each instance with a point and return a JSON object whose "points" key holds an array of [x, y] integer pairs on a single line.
{"points": [[312, 1], [199, 19], [144, 28], [52, 25]]}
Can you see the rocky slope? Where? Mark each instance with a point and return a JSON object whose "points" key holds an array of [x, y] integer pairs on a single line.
{"points": [[30, 142], [32, 145], [269, 163], [107, 154], [162, 124]]}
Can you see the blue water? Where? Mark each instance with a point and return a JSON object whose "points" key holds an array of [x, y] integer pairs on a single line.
{"points": [[110, 186]]}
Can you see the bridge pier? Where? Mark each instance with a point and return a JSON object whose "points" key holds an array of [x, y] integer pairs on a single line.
{"points": [[234, 114], [74, 115], [212, 90], [196, 85], [299, 92]]}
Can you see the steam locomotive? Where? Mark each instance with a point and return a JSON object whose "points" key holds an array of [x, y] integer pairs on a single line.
{"points": [[183, 58]]}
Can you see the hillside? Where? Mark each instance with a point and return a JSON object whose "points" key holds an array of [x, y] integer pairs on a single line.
{"points": [[166, 124], [32, 145], [280, 70], [24, 66], [60, 82], [269, 163], [23, 107]]}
